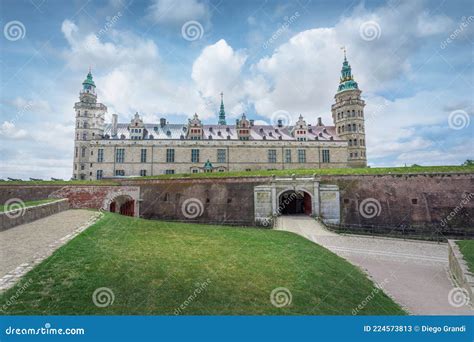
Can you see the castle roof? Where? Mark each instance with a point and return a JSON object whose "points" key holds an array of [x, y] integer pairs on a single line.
{"points": [[220, 132]]}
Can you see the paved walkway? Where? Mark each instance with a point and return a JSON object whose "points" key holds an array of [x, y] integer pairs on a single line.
{"points": [[23, 246], [414, 273]]}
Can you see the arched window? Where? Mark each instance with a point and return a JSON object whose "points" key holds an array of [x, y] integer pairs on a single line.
{"points": [[349, 127], [350, 142], [84, 125], [353, 127], [353, 113], [339, 129], [84, 136], [355, 142]]}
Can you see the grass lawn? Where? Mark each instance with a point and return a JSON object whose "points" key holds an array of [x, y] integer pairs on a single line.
{"points": [[156, 267], [268, 173], [27, 204], [467, 249]]}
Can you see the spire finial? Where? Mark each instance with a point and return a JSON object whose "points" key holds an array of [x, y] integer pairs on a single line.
{"points": [[222, 120], [343, 48]]}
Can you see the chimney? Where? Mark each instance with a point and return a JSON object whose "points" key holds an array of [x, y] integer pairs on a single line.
{"points": [[320, 122], [162, 122], [114, 125]]}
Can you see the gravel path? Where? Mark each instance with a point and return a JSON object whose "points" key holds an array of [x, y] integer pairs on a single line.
{"points": [[414, 273], [23, 246]]}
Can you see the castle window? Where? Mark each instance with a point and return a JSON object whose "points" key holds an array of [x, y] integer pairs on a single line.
{"points": [[350, 155], [221, 155], [354, 127], [195, 170], [343, 129], [169, 172], [82, 167], [84, 136], [120, 155], [142, 173], [143, 155], [287, 155], [326, 157], [120, 172], [83, 152], [355, 154], [353, 113], [170, 155], [76, 153], [194, 155], [84, 125], [99, 174], [339, 129], [272, 156], [301, 156], [355, 142], [100, 155], [350, 142], [349, 127]]}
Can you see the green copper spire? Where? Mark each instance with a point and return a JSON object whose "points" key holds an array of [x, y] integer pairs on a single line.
{"points": [[346, 81], [88, 82], [222, 112]]}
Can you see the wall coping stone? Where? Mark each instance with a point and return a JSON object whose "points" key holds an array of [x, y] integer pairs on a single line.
{"points": [[459, 269]]}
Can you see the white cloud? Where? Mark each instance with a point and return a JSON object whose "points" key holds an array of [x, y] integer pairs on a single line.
{"points": [[219, 68], [8, 130], [177, 12]]}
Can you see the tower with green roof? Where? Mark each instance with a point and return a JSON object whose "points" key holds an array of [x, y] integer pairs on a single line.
{"points": [[90, 117], [222, 112], [348, 116]]}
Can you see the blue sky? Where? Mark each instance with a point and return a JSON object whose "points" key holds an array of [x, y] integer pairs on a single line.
{"points": [[412, 59]]}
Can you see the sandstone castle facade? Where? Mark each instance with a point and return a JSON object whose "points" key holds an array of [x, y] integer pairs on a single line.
{"points": [[145, 149]]}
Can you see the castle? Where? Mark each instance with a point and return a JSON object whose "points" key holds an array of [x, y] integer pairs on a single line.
{"points": [[146, 149]]}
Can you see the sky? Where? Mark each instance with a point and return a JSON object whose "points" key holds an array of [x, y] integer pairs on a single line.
{"points": [[413, 60]]}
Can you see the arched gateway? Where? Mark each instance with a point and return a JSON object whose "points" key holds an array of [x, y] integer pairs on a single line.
{"points": [[290, 196], [293, 202]]}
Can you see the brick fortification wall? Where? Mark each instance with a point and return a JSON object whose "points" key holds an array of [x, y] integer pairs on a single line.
{"points": [[425, 203], [418, 204], [223, 201]]}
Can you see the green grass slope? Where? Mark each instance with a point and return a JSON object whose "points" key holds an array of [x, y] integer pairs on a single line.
{"points": [[159, 268], [467, 249]]}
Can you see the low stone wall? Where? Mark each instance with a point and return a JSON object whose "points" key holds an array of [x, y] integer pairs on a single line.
{"points": [[459, 270], [25, 215]]}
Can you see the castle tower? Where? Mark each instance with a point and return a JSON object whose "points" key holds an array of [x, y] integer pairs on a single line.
{"points": [[222, 112], [90, 116], [348, 116]]}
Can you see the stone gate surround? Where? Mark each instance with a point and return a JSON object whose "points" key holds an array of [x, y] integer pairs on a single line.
{"points": [[325, 198]]}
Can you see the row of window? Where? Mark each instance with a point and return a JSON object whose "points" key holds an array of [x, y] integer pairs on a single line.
{"points": [[100, 173], [349, 114], [350, 128], [354, 142], [272, 156], [221, 155], [355, 154]]}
